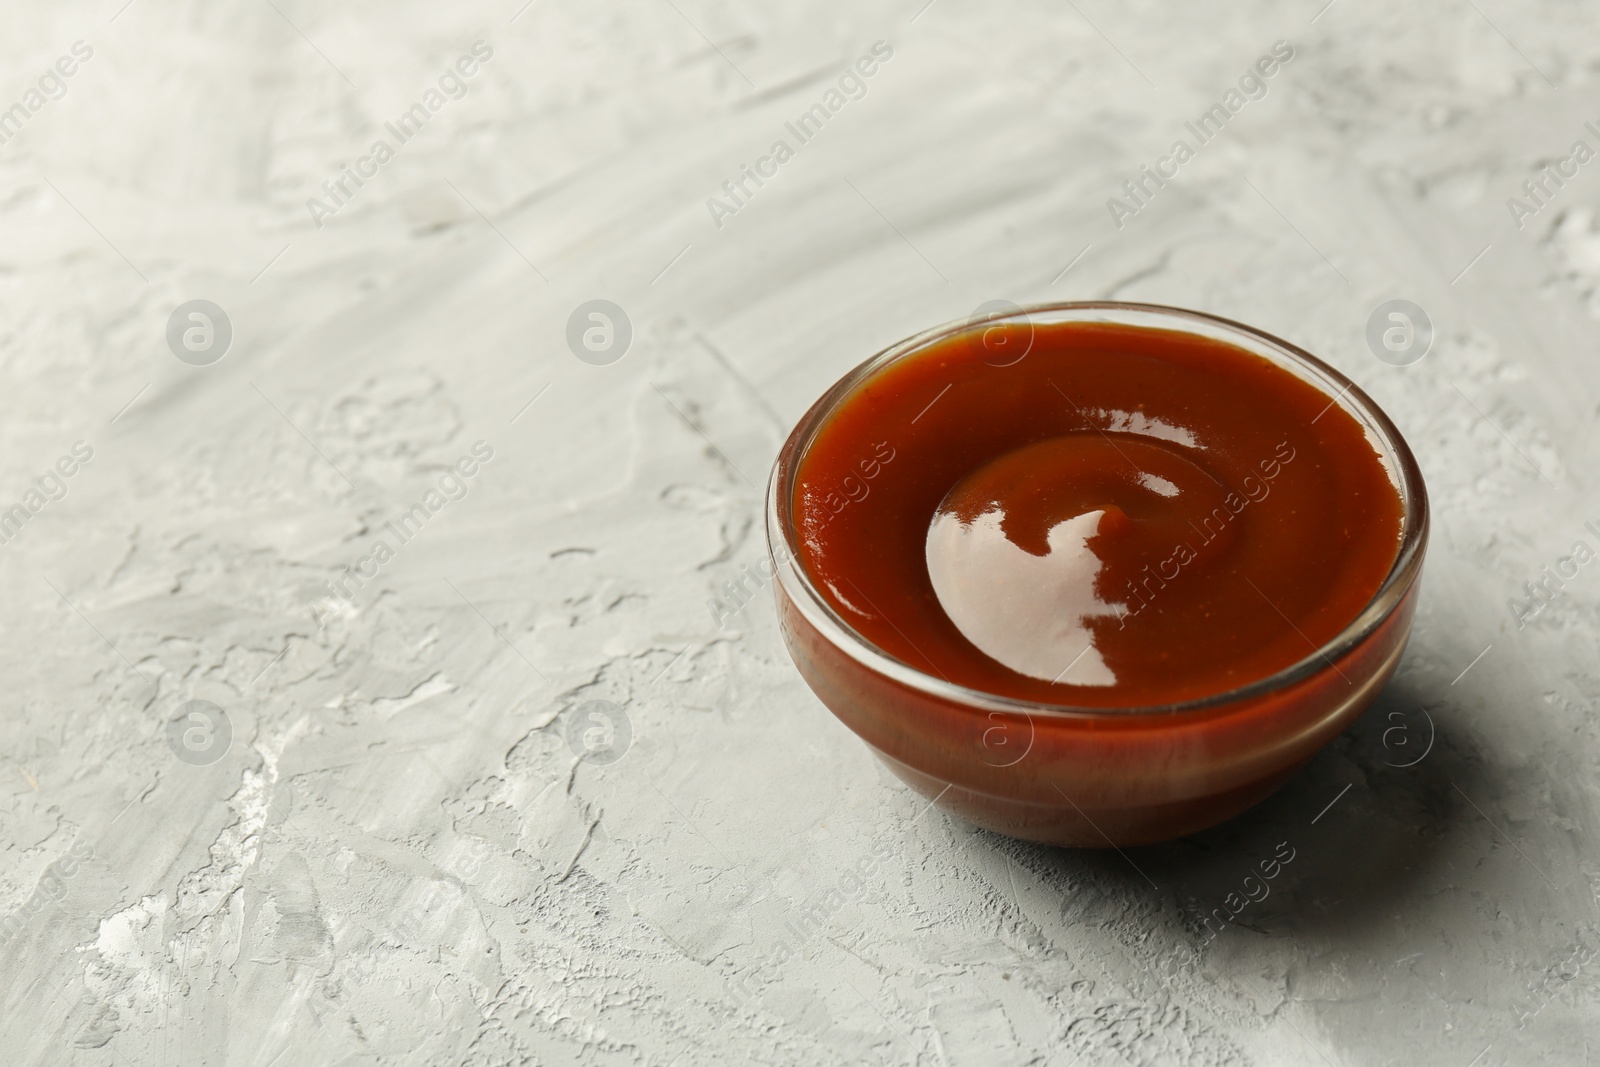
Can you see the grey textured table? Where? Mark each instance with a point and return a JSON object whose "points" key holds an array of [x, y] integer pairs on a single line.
{"points": [[513, 789]]}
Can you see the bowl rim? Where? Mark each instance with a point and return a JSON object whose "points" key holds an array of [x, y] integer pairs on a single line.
{"points": [[796, 583]]}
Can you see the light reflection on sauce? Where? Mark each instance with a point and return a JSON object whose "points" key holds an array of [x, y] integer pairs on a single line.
{"points": [[1028, 553], [1026, 611]]}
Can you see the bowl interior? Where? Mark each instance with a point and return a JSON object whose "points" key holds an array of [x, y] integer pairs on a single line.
{"points": [[1396, 457]]}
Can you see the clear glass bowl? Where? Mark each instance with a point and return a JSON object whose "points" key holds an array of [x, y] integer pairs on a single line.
{"points": [[1098, 777]]}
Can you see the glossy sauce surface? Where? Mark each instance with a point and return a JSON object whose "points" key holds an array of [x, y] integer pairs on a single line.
{"points": [[1123, 517]]}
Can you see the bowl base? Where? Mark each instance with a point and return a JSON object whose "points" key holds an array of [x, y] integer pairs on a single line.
{"points": [[1073, 827]]}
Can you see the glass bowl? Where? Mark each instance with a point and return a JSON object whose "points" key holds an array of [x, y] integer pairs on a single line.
{"points": [[1098, 777]]}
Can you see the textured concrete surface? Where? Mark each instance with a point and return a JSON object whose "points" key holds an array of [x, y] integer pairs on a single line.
{"points": [[520, 795]]}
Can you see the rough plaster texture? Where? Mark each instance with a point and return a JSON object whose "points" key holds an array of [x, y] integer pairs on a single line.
{"points": [[400, 859]]}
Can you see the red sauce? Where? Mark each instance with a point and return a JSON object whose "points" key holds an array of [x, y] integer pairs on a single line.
{"points": [[1124, 517]]}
